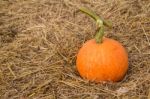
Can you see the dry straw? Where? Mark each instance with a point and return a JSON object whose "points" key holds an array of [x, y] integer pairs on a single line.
{"points": [[39, 40]]}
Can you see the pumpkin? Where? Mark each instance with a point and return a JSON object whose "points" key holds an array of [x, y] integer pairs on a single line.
{"points": [[101, 59]]}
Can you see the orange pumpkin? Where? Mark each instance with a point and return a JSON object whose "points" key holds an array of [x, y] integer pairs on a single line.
{"points": [[102, 59]]}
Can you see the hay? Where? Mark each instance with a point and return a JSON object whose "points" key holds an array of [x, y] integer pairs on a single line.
{"points": [[39, 40]]}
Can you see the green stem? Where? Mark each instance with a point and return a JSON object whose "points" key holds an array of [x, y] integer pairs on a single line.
{"points": [[99, 35], [100, 22], [90, 13], [106, 22]]}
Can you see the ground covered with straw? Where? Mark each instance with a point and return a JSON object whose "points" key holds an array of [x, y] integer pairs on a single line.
{"points": [[39, 40]]}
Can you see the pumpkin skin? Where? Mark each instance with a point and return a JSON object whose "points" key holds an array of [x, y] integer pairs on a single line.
{"points": [[106, 61]]}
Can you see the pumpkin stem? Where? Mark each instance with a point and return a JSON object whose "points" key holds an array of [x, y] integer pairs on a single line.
{"points": [[99, 21], [99, 34]]}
